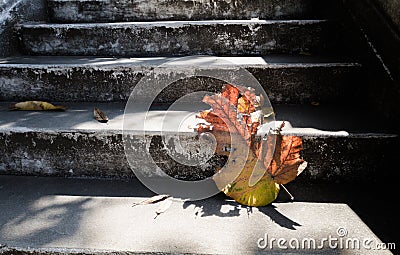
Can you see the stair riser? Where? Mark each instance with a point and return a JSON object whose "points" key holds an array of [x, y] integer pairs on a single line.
{"points": [[145, 10], [99, 154], [177, 39], [287, 84]]}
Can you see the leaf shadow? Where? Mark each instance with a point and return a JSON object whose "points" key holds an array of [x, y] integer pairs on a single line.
{"points": [[221, 207], [277, 217]]}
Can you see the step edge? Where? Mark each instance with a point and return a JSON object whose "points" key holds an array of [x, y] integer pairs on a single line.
{"points": [[172, 23], [309, 135], [182, 67]]}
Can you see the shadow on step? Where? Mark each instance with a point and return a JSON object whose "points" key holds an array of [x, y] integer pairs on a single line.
{"points": [[216, 207]]}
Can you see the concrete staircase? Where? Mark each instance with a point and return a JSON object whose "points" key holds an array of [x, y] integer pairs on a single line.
{"points": [[93, 53]]}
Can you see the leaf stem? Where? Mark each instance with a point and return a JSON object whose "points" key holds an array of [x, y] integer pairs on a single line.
{"points": [[287, 191]]}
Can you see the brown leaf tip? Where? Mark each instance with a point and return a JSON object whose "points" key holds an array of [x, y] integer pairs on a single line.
{"points": [[100, 116]]}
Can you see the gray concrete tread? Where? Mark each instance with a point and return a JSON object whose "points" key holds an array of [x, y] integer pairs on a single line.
{"points": [[85, 216], [269, 61], [304, 120]]}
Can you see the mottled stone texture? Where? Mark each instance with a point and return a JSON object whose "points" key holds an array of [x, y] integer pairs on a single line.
{"points": [[101, 154], [67, 84], [13, 12], [303, 83], [63, 154], [177, 38], [353, 159], [148, 10]]}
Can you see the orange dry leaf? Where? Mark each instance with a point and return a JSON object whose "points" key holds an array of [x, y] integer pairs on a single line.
{"points": [[236, 112], [231, 113], [227, 112], [211, 117], [286, 163], [231, 93]]}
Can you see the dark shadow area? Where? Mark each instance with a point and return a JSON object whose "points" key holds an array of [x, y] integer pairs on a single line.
{"points": [[46, 210], [36, 217], [183, 88], [278, 218], [337, 117], [213, 207], [75, 186]]}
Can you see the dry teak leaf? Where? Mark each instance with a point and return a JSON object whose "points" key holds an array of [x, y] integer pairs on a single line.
{"points": [[100, 116], [255, 180], [36, 106], [286, 163], [263, 192], [231, 112], [152, 200], [231, 93]]}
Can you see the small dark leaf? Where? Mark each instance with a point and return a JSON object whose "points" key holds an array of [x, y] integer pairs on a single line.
{"points": [[100, 116]]}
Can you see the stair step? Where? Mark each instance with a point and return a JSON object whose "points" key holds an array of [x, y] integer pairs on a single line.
{"points": [[166, 38], [339, 143], [71, 216], [285, 78], [71, 11]]}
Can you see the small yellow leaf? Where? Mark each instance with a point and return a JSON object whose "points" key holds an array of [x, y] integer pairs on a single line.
{"points": [[36, 106], [304, 53]]}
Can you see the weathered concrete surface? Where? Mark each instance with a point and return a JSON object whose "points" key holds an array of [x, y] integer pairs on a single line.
{"points": [[72, 143], [13, 12], [287, 79], [233, 37], [69, 216], [144, 10], [392, 9]]}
